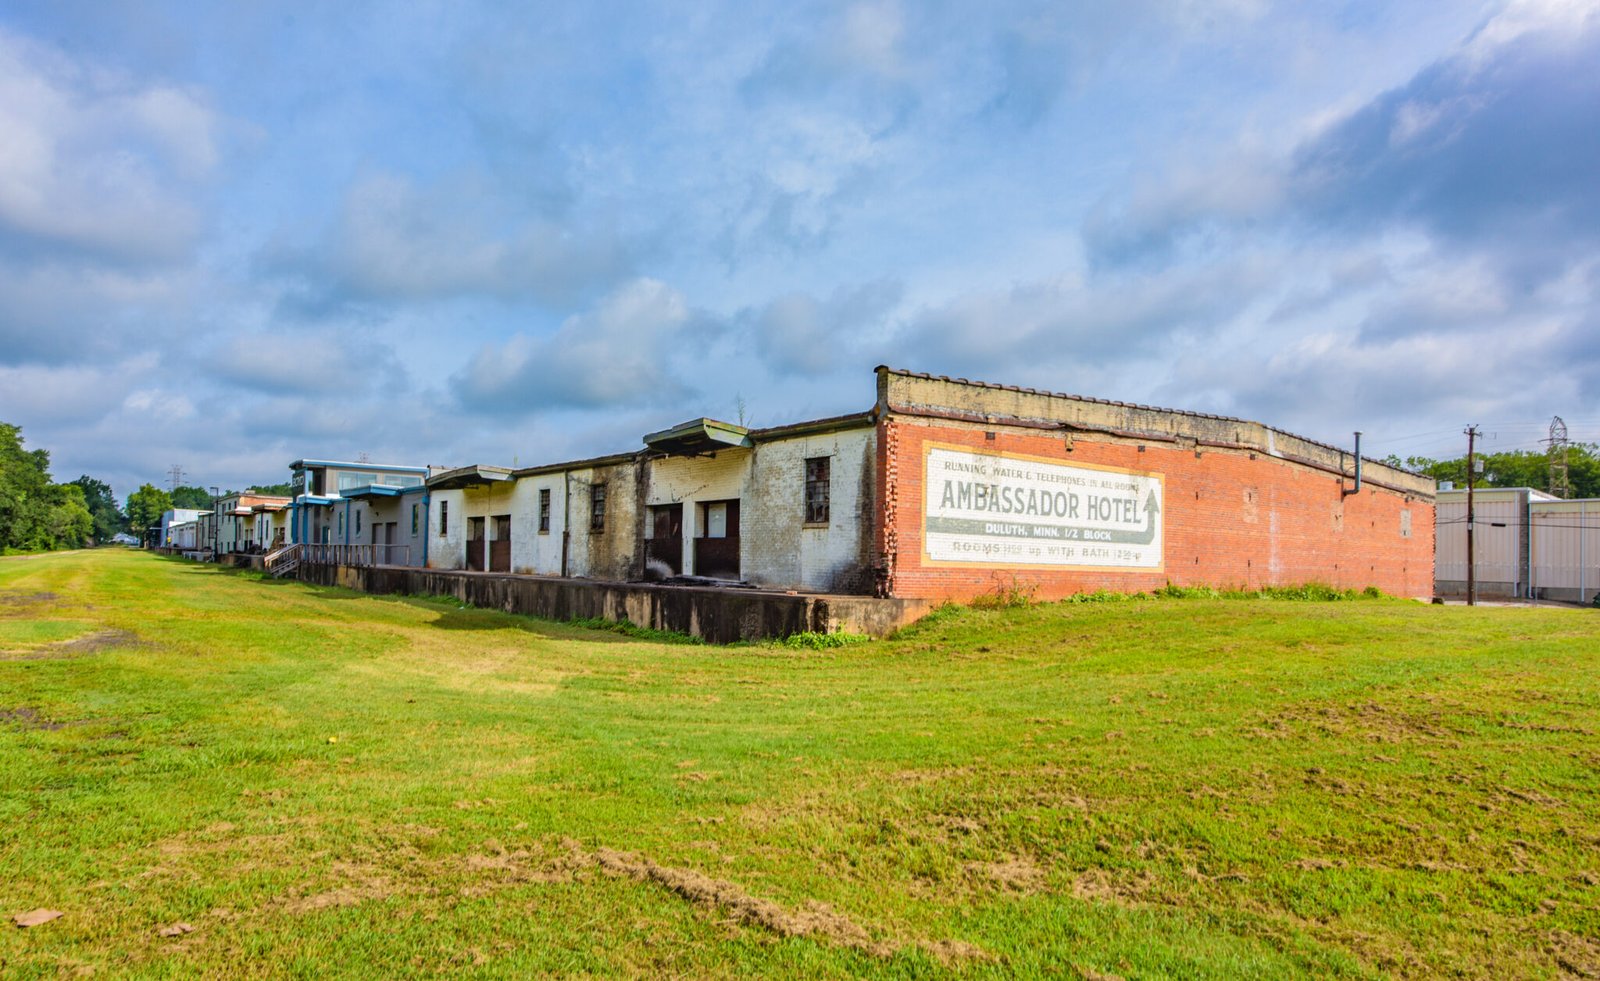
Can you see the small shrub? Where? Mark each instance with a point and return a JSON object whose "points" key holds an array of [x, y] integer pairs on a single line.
{"points": [[812, 640], [1008, 594], [1314, 592], [1105, 596]]}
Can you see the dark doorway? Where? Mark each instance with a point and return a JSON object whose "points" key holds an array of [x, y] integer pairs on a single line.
{"points": [[716, 548], [475, 544], [663, 550], [500, 545]]}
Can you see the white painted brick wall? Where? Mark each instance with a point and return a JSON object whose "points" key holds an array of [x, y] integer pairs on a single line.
{"points": [[779, 549], [447, 551], [532, 552]]}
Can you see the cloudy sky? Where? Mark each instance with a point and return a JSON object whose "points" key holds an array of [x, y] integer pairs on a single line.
{"points": [[236, 234]]}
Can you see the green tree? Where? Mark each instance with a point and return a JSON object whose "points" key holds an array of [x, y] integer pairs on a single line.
{"points": [[145, 507], [36, 514], [24, 485], [67, 522], [272, 490], [194, 498], [102, 505]]}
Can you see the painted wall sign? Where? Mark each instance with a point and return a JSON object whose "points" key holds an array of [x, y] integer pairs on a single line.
{"points": [[987, 508]]}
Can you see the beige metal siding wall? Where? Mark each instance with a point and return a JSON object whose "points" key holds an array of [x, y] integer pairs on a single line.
{"points": [[1499, 546], [1566, 549]]}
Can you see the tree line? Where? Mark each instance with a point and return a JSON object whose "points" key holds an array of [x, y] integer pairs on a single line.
{"points": [[1515, 468], [37, 514]]}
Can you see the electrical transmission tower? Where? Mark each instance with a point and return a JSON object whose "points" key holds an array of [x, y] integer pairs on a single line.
{"points": [[176, 475], [1559, 482]]}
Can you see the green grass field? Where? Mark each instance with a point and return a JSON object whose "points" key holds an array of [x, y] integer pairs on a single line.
{"points": [[319, 782]]}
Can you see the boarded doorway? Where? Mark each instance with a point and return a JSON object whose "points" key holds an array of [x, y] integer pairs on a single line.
{"points": [[663, 550], [476, 541], [716, 549], [500, 545]]}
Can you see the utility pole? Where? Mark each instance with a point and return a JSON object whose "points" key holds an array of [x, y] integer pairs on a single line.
{"points": [[176, 474], [1472, 568]]}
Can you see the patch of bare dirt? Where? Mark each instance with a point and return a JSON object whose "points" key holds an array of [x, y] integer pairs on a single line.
{"points": [[1529, 797], [1577, 956], [815, 920], [931, 776], [1016, 874], [1365, 720], [1100, 886], [27, 599], [1317, 864], [360, 886], [24, 717], [1532, 727], [87, 644], [98, 641]]}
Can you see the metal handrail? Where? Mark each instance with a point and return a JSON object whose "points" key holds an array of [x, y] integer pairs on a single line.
{"points": [[282, 556], [355, 554]]}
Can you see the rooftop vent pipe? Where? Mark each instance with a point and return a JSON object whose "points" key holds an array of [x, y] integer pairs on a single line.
{"points": [[1346, 492]]}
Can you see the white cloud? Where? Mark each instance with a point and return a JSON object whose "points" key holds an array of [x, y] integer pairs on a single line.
{"points": [[327, 363], [622, 352], [397, 240], [797, 333], [95, 163], [158, 406], [1557, 19], [871, 33]]}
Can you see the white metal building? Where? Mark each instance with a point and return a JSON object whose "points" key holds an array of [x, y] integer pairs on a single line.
{"points": [[1527, 545]]}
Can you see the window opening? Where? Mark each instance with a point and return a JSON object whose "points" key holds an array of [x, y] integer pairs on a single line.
{"points": [[817, 490]]}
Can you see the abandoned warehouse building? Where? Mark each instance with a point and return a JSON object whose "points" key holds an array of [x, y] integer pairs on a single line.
{"points": [[948, 489]]}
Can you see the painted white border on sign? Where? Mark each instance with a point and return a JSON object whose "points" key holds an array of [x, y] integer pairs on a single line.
{"points": [[998, 509]]}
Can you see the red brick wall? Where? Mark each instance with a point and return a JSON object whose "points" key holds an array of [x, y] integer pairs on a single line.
{"points": [[1230, 520]]}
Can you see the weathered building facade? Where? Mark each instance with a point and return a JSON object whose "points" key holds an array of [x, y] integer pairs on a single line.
{"points": [[985, 488], [250, 523], [390, 519], [317, 510], [949, 489]]}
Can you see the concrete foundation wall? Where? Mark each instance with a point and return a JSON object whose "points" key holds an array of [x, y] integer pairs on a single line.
{"points": [[717, 615], [1488, 589]]}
